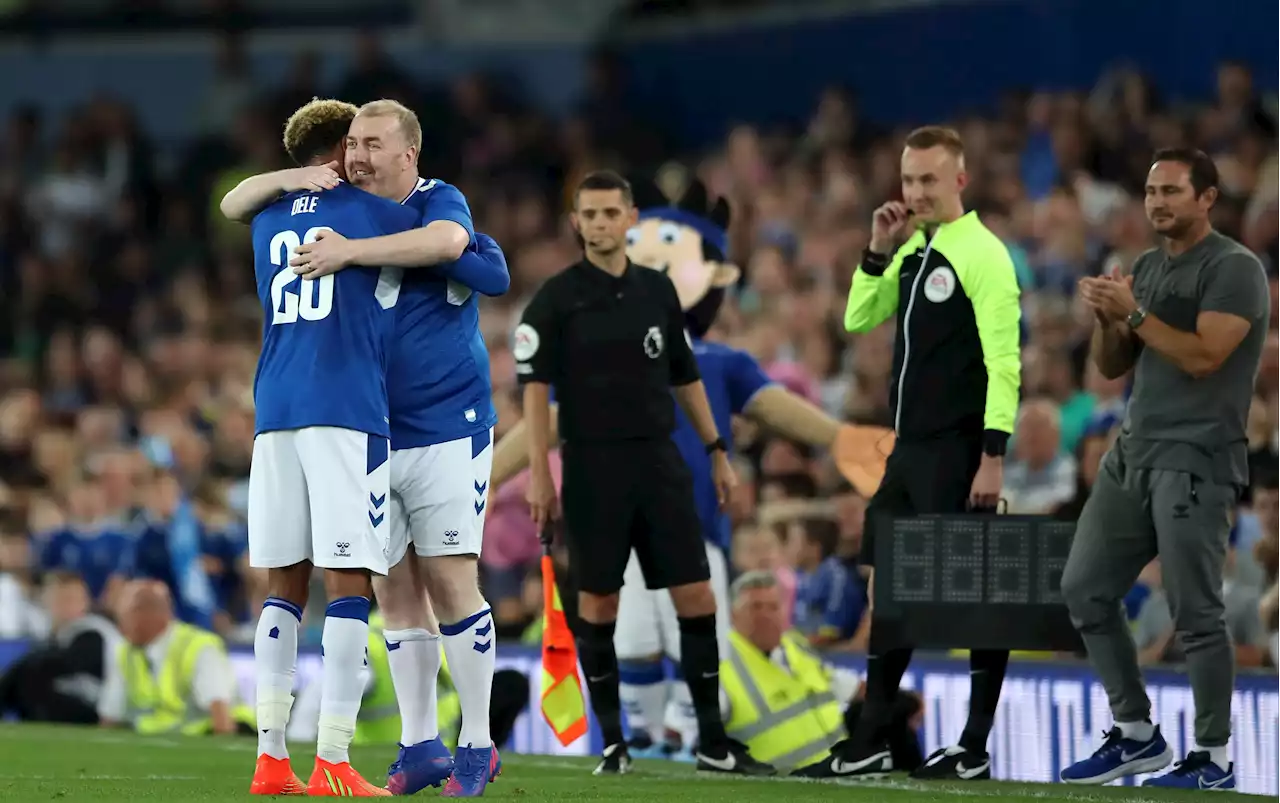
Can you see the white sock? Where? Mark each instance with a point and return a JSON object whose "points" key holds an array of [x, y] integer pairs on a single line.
{"points": [[1138, 731], [680, 714], [645, 702], [343, 644], [275, 658], [469, 646], [1218, 755], [414, 657]]}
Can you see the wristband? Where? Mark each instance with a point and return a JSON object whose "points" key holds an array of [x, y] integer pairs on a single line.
{"points": [[717, 445], [874, 264], [994, 442]]}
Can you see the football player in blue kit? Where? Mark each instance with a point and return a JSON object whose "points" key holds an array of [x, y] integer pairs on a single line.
{"points": [[479, 267], [442, 420], [321, 453]]}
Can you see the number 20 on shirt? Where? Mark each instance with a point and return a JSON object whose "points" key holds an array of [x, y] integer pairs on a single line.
{"points": [[313, 299]]}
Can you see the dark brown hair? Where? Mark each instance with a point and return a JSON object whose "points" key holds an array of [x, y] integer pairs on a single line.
{"points": [[605, 180], [1204, 173]]}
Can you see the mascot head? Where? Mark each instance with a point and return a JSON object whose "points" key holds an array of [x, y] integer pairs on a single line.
{"points": [[685, 236]]}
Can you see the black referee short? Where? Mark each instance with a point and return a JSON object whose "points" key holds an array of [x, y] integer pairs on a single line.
{"points": [[625, 495], [922, 477]]}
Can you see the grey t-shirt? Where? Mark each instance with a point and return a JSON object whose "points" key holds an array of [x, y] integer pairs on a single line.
{"points": [[1175, 421]]}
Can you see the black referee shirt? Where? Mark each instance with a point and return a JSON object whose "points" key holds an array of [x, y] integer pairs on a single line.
{"points": [[611, 348]]}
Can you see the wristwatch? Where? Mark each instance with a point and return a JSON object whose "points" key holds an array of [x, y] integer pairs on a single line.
{"points": [[1136, 318], [717, 445]]}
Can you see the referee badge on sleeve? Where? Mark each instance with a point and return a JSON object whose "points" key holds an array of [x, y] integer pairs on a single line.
{"points": [[653, 343], [526, 343]]}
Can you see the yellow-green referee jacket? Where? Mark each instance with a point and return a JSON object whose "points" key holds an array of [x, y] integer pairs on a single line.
{"points": [[956, 359]]}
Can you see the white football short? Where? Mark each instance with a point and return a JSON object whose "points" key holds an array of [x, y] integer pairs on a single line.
{"points": [[320, 494], [439, 495], [647, 622]]}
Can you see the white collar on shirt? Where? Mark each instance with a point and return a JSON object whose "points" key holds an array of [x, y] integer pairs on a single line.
{"points": [[159, 647]]}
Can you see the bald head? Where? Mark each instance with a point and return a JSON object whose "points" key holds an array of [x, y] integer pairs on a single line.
{"points": [[148, 594], [1039, 432], [146, 609], [1040, 412]]}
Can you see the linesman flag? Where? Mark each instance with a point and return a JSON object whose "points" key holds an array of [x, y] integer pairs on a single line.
{"points": [[563, 705]]}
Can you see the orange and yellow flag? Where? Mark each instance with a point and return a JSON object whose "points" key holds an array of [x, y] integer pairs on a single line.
{"points": [[563, 705]]}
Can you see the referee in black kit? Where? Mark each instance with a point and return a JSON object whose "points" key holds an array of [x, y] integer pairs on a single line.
{"points": [[950, 285], [609, 336]]}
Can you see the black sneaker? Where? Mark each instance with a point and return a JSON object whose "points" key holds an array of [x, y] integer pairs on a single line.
{"points": [[849, 761], [615, 760], [952, 763], [732, 758]]}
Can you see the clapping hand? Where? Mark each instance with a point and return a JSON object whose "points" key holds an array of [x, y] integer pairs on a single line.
{"points": [[1110, 298]]}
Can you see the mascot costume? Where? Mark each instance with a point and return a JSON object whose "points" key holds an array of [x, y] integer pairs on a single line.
{"points": [[685, 236]]}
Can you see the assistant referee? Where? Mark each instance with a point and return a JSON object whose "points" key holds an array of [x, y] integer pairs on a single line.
{"points": [[952, 288], [609, 337]]}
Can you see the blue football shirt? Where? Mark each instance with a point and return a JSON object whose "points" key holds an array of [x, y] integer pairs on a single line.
{"points": [[325, 342], [829, 600], [94, 553], [732, 378], [152, 560], [438, 383]]}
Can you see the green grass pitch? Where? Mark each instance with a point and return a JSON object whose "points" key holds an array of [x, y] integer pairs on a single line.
{"points": [[77, 765]]}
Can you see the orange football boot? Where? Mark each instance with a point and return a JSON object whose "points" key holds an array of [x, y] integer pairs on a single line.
{"points": [[274, 776], [340, 780]]}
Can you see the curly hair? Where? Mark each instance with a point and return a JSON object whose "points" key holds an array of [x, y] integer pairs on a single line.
{"points": [[316, 129]]}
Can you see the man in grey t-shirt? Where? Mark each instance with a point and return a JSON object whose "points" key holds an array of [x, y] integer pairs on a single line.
{"points": [[1190, 321]]}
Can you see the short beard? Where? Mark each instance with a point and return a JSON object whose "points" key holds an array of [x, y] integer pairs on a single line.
{"points": [[1176, 230]]}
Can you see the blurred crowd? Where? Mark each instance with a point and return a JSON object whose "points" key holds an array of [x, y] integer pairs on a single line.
{"points": [[131, 325]]}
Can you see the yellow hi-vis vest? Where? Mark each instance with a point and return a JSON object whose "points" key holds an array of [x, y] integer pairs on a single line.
{"points": [[788, 719], [162, 703], [448, 706], [379, 720]]}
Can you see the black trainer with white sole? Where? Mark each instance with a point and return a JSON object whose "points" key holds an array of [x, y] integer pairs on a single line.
{"points": [[954, 763], [731, 758], [849, 761], [615, 760]]}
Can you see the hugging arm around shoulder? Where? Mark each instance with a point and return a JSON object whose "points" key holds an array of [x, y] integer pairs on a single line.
{"points": [[251, 196]]}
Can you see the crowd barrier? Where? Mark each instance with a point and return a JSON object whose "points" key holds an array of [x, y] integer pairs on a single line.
{"points": [[1051, 714]]}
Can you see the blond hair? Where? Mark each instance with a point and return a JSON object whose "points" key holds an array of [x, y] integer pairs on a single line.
{"points": [[317, 128], [409, 125], [936, 136]]}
